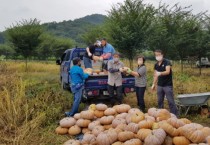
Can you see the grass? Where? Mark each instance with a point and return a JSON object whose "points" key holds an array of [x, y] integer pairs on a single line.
{"points": [[32, 103]]}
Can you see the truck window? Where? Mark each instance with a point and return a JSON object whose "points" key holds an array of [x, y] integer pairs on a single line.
{"points": [[62, 57], [67, 56]]}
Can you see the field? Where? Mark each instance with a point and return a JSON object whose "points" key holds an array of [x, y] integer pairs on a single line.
{"points": [[31, 103]]}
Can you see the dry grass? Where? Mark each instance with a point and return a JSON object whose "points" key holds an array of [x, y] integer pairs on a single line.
{"points": [[31, 103]]}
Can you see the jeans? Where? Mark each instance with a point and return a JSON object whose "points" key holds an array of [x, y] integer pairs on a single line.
{"points": [[168, 92], [140, 97], [77, 98], [87, 62], [118, 91]]}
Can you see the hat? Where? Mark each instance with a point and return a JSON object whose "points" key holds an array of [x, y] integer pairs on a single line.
{"points": [[117, 53], [98, 43]]}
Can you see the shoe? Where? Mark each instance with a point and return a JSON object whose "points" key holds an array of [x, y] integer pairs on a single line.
{"points": [[67, 114]]}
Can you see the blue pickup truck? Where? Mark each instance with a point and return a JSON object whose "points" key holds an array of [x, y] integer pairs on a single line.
{"points": [[95, 85]]}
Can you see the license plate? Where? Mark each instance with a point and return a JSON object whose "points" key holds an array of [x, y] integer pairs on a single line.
{"points": [[107, 93]]}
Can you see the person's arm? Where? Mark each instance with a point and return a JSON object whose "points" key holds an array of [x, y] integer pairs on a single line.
{"points": [[111, 69], [155, 79], [88, 51], [82, 74], [167, 72]]}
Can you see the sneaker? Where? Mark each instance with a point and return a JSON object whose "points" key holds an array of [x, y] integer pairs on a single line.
{"points": [[67, 114]]}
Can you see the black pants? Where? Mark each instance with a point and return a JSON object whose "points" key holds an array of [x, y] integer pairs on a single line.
{"points": [[118, 91], [140, 97]]}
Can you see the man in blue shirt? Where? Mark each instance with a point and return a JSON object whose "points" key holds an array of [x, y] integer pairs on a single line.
{"points": [[77, 84], [108, 51]]}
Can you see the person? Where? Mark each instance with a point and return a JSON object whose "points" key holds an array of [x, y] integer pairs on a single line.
{"points": [[140, 81], [108, 51], [89, 54], [163, 79], [77, 84], [115, 78]]}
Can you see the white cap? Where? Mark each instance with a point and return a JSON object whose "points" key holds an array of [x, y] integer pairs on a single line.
{"points": [[98, 43]]}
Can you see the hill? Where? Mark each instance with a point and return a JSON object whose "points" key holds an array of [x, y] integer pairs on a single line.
{"points": [[74, 29]]}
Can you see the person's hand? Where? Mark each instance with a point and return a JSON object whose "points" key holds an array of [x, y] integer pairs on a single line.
{"points": [[157, 74], [129, 71], [153, 87], [121, 69], [101, 59], [89, 54]]}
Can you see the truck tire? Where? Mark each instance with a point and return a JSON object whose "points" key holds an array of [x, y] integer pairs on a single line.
{"points": [[64, 86], [84, 98]]}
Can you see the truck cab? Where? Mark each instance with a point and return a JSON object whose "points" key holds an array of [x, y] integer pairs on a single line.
{"points": [[96, 85]]}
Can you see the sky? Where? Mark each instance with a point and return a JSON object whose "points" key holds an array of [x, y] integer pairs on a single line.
{"points": [[12, 11]]}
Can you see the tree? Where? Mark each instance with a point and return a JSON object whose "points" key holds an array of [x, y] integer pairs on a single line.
{"points": [[93, 34], [6, 50], [24, 36], [128, 26]]}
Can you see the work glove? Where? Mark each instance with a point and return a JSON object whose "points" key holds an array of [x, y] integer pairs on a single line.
{"points": [[89, 54], [129, 70], [157, 73], [121, 69], [153, 86]]}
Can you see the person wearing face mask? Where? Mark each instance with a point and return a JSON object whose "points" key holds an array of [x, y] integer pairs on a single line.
{"points": [[140, 81], [164, 82], [77, 85], [115, 67]]}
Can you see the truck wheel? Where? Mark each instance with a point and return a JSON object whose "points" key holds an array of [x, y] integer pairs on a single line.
{"points": [[63, 85], [84, 97]]}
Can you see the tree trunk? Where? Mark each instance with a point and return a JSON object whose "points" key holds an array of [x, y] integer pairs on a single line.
{"points": [[131, 63]]}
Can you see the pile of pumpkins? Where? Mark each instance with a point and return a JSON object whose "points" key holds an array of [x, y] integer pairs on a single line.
{"points": [[123, 125]]}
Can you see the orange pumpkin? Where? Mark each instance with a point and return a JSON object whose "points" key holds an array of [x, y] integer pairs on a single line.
{"points": [[163, 114], [83, 123], [77, 116], [122, 115], [89, 139], [106, 120], [74, 130], [133, 142], [143, 133], [133, 127], [122, 108], [145, 124], [60, 130], [168, 128], [98, 113], [110, 111], [125, 135], [67, 122], [85, 130], [101, 107], [93, 124], [118, 121], [89, 114], [97, 130], [168, 141], [137, 117], [134, 111], [176, 123], [180, 140], [185, 120]]}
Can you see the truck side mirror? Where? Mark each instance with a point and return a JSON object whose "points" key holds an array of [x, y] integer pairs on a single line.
{"points": [[58, 62]]}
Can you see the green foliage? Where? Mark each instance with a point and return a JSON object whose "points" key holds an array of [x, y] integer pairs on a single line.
{"points": [[6, 50], [24, 36], [128, 26]]}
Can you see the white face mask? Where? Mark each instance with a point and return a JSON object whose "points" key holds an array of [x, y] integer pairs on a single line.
{"points": [[159, 58], [116, 59], [140, 62]]}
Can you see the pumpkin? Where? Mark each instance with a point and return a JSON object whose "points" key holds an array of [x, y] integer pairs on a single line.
{"points": [[143, 133], [133, 127], [163, 114], [92, 107], [208, 139], [122, 108], [180, 140], [118, 130], [85, 130], [155, 125], [67, 122], [193, 132], [83, 123], [89, 139], [93, 124], [117, 143], [121, 126], [101, 107], [61, 130], [77, 116], [110, 111], [74, 130], [98, 113], [137, 117], [128, 118], [168, 141], [173, 116], [118, 121], [145, 124], [72, 142], [88, 71], [157, 137], [169, 129], [152, 112], [106, 120], [89, 114], [112, 135], [176, 123], [104, 139], [125, 135], [122, 115], [106, 127], [134, 111], [206, 131], [185, 120], [97, 130], [147, 117], [133, 142]]}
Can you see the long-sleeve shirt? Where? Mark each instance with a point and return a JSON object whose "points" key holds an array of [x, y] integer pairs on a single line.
{"points": [[114, 75], [77, 75]]}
